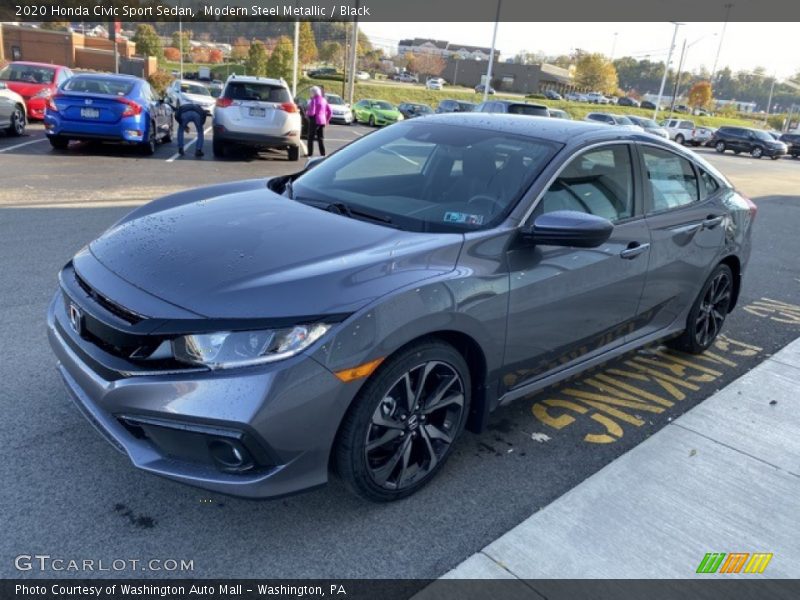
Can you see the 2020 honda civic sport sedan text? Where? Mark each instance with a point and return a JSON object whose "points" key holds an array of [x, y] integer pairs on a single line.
{"points": [[357, 316]]}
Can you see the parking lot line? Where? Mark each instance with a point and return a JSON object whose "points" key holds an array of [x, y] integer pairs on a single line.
{"points": [[23, 144], [185, 146]]}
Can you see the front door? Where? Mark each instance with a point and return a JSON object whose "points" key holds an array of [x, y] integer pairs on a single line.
{"points": [[569, 304]]}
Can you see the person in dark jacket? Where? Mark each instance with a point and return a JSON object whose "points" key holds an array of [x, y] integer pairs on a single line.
{"points": [[191, 113]]}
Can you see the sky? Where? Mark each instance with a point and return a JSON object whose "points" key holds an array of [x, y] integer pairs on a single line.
{"points": [[632, 39]]}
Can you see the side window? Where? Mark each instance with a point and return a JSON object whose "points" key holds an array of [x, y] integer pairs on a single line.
{"points": [[671, 178], [598, 182], [708, 185]]}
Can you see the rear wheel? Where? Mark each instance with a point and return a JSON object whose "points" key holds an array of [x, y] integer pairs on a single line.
{"points": [[757, 152], [168, 136], [720, 147], [149, 145], [58, 142], [776, 157], [17, 122], [401, 428], [218, 148], [372, 120], [708, 313], [679, 139], [294, 153]]}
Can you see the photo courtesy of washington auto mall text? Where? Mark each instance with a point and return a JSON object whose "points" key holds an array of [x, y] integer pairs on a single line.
{"points": [[399, 300]]}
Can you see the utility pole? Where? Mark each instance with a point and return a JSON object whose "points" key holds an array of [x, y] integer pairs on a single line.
{"points": [[728, 7], [769, 102], [180, 41], [666, 70], [351, 88], [488, 82], [294, 57], [677, 79], [614, 47]]}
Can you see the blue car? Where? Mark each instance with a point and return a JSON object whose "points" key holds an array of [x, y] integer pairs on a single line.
{"points": [[108, 108]]}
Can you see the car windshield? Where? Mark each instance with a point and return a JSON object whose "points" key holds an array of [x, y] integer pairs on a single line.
{"points": [[428, 177], [334, 99], [466, 106], [762, 135], [215, 90], [27, 74], [195, 88], [382, 105], [99, 85], [647, 123]]}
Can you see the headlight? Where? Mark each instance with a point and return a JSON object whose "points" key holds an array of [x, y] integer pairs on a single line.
{"points": [[229, 349]]}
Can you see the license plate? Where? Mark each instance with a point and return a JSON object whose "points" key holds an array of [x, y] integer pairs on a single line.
{"points": [[90, 113], [258, 112]]}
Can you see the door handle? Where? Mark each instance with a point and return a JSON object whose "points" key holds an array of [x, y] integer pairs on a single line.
{"points": [[633, 250], [711, 221]]}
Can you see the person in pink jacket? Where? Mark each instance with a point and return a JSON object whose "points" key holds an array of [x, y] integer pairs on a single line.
{"points": [[318, 112]]}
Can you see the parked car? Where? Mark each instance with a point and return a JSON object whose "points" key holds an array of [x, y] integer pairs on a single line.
{"points": [[479, 89], [449, 106], [682, 108], [552, 95], [513, 108], [683, 131], [362, 75], [792, 141], [755, 142], [596, 98], [412, 109], [256, 112], [215, 88], [376, 113], [557, 113], [13, 115], [35, 82], [609, 119], [322, 72], [108, 108], [410, 317], [576, 97], [646, 104], [434, 84], [625, 101], [182, 91], [407, 78], [649, 126], [341, 112]]}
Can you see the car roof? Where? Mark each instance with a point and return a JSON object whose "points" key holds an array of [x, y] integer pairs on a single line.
{"points": [[194, 82], [524, 102], [36, 64], [120, 76], [254, 79]]}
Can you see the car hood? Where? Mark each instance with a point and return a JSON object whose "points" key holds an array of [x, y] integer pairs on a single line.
{"points": [[250, 253], [385, 112]]}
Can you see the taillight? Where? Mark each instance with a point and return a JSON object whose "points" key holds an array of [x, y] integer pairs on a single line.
{"points": [[43, 93], [224, 102], [132, 108], [289, 107], [51, 103]]}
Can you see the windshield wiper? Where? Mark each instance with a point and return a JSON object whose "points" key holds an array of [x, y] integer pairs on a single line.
{"points": [[341, 208]]}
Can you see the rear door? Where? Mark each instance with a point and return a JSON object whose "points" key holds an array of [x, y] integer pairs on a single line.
{"points": [[686, 220], [258, 106]]}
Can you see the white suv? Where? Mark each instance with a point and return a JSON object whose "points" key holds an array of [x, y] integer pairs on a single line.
{"points": [[257, 112], [596, 98]]}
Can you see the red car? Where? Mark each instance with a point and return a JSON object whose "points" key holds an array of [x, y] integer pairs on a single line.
{"points": [[35, 82]]}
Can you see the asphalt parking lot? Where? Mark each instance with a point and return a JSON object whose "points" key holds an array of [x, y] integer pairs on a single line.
{"points": [[68, 494]]}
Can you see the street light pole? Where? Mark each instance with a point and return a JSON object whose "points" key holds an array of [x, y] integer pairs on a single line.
{"points": [[614, 46], [294, 57], [728, 7], [488, 82], [769, 102], [677, 79], [666, 70]]}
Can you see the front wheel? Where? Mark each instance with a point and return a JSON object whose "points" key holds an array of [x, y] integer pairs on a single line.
{"points": [[401, 427], [372, 121], [708, 313], [679, 139], [720, 147], [757, 152], [58, 142], [17, 122]]}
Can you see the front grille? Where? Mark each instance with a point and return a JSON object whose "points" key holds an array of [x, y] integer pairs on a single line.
{"points": [[113, 308]]}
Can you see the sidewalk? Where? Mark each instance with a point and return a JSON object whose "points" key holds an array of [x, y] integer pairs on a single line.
{"points": [[724, 477]]}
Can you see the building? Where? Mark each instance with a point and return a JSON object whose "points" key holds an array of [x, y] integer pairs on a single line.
{"points": [[509, 77], [73, 50], [445, 49]]}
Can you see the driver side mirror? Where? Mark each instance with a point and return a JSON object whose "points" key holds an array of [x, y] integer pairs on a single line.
{"points": [[569, 228]]}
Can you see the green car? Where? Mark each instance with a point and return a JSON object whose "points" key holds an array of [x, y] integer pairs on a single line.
{"points": [[376, 112]]}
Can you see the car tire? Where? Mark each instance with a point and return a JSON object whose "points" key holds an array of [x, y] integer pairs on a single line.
{"points": [[372, 120], [294, 153], [58, 142], [737, 152], [757, 152], [776, 157], [218, 148], [149, 145], [679, 139], [720, 147], [382, 431], [355, 118], [708, 313], [17, 122]]}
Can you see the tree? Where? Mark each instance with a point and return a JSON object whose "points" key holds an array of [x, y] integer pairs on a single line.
{"points": [[427, 64], [199, 55], [148, 42], [215, 56], [530, 58], [307, 44], [159, 81], [172, 54], [595, 71], [332, 53], [700, 94], [256, 63], [240, 49], [280, 61], [55, 26], [182, 42]]}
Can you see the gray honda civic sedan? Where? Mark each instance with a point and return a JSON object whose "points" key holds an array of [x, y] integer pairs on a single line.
{"points": [[354, 318]]}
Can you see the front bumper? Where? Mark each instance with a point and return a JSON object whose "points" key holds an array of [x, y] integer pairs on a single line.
{"points": [[36, 107], [284, 415], [344, 119]]}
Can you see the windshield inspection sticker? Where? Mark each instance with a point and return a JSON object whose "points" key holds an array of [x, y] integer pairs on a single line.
{"points": [[465, 218]]}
